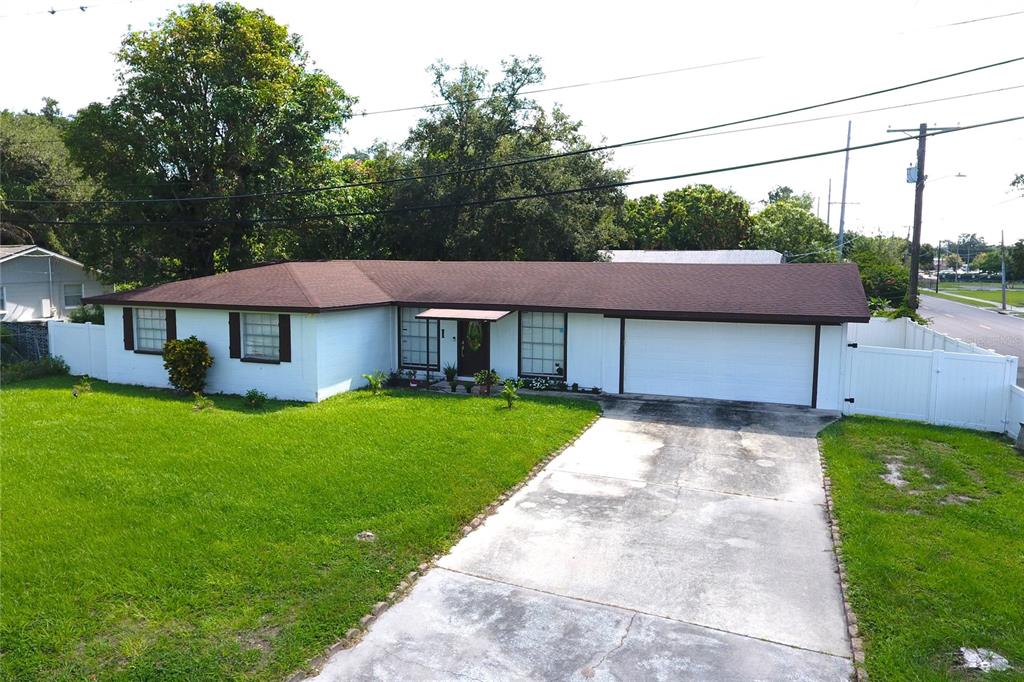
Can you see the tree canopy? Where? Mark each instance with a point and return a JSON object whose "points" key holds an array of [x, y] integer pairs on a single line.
{"points": [[486, 123], [787, 225], [37, 166], [213, 100], [694, 217]]}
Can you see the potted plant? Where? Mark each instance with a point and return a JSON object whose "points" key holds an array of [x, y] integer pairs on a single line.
{"points": [[451, 374], [410, 374], [485, 379]]}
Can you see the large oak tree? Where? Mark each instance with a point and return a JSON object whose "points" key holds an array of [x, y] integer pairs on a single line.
{"points": [[213, 100]]}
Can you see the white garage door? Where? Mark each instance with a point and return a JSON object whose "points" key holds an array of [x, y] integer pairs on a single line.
{"points": [[728, 361]]}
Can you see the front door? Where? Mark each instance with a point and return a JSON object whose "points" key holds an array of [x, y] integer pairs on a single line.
{"points": [[473, 360]]}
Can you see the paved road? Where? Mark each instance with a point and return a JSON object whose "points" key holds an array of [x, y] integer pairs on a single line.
{"points": [[1002, 333], [672, 541]]}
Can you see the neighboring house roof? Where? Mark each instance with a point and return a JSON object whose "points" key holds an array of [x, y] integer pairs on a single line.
{"points": [[12, 251], [722, 256], [800, 293]]}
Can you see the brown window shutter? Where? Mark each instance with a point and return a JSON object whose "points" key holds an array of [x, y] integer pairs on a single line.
{"points": [[234, 335], [129, 329], [171, 316], [284, 330]]}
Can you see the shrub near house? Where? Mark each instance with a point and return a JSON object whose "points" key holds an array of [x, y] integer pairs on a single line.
{"points": [[186, 362]]}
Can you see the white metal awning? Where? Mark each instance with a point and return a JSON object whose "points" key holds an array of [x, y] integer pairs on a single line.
{"points": [[462, 314]]}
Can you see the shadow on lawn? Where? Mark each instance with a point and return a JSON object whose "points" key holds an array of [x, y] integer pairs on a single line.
{"points": [[221, 401]]}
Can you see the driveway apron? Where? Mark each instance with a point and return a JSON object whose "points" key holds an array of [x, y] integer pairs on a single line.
{"points": [[673, 540]]}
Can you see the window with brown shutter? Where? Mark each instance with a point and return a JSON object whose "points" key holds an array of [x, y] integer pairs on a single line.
{"points": [[171, 319], [129, 328], [284, 326], [234, 335]]}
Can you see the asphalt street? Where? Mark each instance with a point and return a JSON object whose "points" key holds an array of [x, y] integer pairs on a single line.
{"points": [[1001, 333]]}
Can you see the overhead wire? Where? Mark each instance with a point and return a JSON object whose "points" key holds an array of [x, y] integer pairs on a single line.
{"points": [[538, 195], [522, 160]]}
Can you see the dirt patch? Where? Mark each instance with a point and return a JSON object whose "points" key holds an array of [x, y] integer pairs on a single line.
{"points": [[984, 660], [957, 499], [894, 472], [261, 638]]}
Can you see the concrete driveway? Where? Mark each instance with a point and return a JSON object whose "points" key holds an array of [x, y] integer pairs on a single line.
{"points": [[673, 541]]}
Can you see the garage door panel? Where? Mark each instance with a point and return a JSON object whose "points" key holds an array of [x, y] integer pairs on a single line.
{"points": [[726, 361]]}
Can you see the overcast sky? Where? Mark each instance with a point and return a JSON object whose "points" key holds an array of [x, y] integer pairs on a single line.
{"points": [[806, 52]]}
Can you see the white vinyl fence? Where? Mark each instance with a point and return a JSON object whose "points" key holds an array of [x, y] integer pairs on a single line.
{"points": [[83, 346], [897, 368]]}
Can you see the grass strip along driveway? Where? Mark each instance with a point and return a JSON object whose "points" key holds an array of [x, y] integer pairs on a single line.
{"points": [[143, 540], [935, 555]]}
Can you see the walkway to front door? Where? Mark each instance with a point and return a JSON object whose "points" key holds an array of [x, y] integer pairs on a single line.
{"points": [[672, 541]]}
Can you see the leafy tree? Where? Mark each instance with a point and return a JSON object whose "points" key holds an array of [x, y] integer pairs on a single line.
{"points": [[786, 193], [954, 262], [698, 217], [214, 99], [967, 246], [927, 257], [35, 165], [1015, 260], [482, 123], [989, 261], [883, 271], [785, 225], [641, 223]]}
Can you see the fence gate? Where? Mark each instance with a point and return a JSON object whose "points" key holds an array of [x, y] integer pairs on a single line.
{"points": [[939, 387]]}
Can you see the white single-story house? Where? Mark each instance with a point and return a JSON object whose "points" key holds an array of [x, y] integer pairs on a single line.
{"points": [[718, 256], [309, 330], [39, 284]]}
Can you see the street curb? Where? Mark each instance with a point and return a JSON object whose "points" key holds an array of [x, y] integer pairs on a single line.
{"points": [[355, 634]]}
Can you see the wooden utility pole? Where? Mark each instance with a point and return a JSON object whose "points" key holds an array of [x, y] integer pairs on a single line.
{"points": [[842, 205], [915, 244]]}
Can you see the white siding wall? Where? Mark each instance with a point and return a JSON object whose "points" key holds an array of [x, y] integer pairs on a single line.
{"points": [[27, 282], [830, 362], [611, 342], [585, 350], [351, 343], [505, 345], [295, 380], [449, 343]]}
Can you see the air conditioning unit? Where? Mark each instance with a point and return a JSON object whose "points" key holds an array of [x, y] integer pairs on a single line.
{"points": [[46, 309]]}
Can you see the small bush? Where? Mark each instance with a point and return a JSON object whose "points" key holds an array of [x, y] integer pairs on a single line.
{"points": [[32, 369], [486, 378], [451, 373], [255, 398], [186, 362], [510, 391], [87, 313], [84, 384], [376, 381], [200, 402]]}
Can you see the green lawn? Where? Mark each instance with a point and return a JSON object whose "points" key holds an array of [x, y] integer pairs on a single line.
{"points": [[1013, 296], [957, 299], [142, 540], [939, 563]]}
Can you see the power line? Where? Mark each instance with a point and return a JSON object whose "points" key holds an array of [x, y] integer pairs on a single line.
{"points": [[535, 91], [523, 160], [842, 115], [539, 195], [472, 100]]}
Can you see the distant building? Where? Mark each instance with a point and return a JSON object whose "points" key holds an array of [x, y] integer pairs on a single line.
{"points": [[38, 284], [720, 257]]}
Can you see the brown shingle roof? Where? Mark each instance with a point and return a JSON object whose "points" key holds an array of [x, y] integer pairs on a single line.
{"points": [[815, 292]]}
